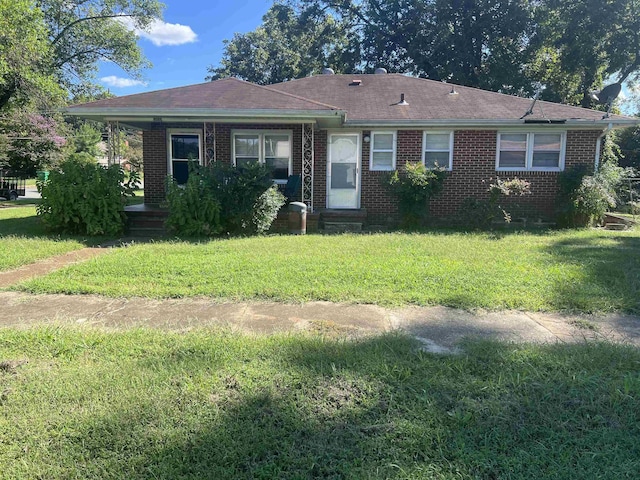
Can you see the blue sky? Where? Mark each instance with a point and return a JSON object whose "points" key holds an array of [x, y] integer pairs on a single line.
{"points": [[187, 41]]}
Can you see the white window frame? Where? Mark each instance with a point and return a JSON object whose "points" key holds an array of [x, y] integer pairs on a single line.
{"points": [[261, 150], [393, 150], [182, 131], [529, 152], [448, 167]]}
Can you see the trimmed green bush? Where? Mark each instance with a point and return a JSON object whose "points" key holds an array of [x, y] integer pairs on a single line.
{"points": [[85, 198]]}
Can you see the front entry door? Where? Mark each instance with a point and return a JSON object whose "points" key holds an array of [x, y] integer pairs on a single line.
{"points": [[343, 170]]}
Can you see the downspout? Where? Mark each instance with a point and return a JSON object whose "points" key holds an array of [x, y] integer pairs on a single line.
{"points": [[599, 144]]}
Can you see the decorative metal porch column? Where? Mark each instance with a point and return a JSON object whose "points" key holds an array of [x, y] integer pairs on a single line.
{"points": [[209, 142], [113, 143], [307, 165]]}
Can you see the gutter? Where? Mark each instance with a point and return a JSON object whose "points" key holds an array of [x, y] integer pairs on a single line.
{"points": [[492, 124], [599, 145], [198, 112]]}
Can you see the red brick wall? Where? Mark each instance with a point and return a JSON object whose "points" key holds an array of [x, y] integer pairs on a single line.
{"points": [[155, 164], [474, 158], [320, 167]]}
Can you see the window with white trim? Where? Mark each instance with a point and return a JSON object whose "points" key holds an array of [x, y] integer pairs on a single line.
{"points": [[382, 156], [272, 148], [437, 150], [530, 151], [183, 146]]}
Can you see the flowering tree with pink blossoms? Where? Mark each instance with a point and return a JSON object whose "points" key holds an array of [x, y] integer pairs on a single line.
{"points": [[29, 142]]}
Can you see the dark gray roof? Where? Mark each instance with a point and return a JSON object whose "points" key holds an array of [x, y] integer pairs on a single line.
{"points": [[376, 98], [361, 98], [225, 94]]}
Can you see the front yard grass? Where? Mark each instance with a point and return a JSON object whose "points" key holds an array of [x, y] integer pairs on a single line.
{"points": [[24, 241], [586, 270], [145, 404]]}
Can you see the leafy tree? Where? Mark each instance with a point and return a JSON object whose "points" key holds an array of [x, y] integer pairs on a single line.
{"points": [[580, 43], [82, 32], [30, 142], [25, 56], [132, 151], [289, 44], [47, 46], [480, 43], [87, 138], [629, 142], [470, 42]]}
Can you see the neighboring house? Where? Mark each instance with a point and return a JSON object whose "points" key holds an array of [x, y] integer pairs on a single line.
{"points": [[344, 133]]}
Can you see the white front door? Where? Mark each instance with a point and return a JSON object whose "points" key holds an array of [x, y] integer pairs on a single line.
{"points": [[343, 170]]}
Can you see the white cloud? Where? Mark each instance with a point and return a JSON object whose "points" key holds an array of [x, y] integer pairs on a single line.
{"points": [[119, 82], [161, 33]]}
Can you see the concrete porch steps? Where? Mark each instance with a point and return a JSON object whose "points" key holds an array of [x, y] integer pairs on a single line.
{"points": [[616, 222], [340, 221]]}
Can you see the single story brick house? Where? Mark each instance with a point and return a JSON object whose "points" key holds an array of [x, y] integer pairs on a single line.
{"points": [[343, 134]]}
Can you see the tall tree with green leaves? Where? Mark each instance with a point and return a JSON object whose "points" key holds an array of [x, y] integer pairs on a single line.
{"points": [[579, 44], [83, 32], [481, 43], [288, 44], [26, 76]]}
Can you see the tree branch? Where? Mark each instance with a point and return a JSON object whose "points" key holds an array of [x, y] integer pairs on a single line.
{"points": [[84, 19]]}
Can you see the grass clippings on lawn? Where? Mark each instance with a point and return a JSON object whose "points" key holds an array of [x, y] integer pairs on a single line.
{"points": [[151, 405], [24, 240], [585, 270]]}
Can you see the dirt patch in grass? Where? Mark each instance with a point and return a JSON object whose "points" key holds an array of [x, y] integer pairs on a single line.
{"points": [[11, 366], [44, 267]]}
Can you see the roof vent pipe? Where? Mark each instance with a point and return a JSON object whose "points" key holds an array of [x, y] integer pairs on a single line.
{"points": [[402, 100], [381, 71], [328, 71]]}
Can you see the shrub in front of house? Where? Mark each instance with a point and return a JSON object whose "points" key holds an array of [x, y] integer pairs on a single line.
{"points": [[414, 186], [480, 214], [194, 209], [82, 197], [222, 199], [584, 199]]}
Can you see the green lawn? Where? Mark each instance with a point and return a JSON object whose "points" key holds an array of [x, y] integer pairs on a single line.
{"points": [[24, 241], [149, 405], [587, 270]]}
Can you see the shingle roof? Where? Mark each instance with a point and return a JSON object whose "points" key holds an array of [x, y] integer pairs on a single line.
{"points": [[377, 95], [374, 100], [225, 94]]}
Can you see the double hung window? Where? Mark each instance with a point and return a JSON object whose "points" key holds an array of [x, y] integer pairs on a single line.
{"points": [[530, 151], [272, 148]]}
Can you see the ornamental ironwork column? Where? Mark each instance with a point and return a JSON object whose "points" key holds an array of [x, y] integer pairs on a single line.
{"points": [[307, 165], [209, 142]]}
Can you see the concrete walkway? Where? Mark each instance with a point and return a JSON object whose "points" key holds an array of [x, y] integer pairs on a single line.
{"points": [[438, 328]]}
